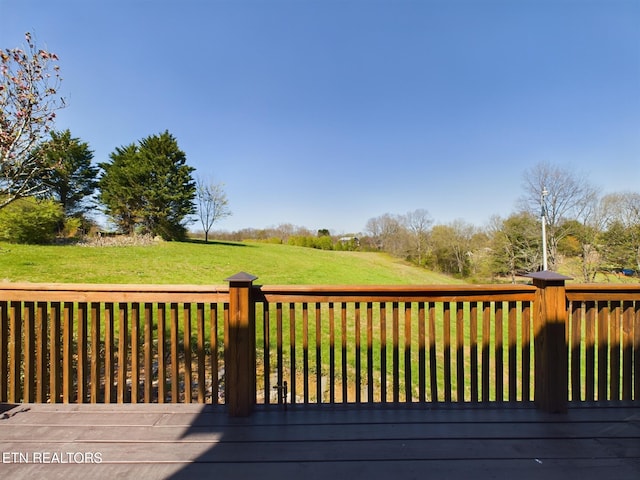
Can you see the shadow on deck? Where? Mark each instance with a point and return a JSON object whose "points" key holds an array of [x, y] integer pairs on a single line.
{"points": [[381, 441]]}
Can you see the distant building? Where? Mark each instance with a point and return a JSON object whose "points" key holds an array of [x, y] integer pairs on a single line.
{"points": [[352, 240]]}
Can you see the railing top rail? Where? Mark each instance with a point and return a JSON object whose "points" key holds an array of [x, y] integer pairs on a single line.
{"points": [[86, 292], [392, 293], [587, 292]]}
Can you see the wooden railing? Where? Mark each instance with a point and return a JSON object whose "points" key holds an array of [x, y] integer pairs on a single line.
{"points": [[242, 344], [603, 338], [110, 343], [397, 344]]}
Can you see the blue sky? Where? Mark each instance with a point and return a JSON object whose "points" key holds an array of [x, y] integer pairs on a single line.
{"points": [[326, 113]]}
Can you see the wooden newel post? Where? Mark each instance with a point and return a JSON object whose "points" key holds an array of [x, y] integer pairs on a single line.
{"points": [[240, 347], [551, 390]]}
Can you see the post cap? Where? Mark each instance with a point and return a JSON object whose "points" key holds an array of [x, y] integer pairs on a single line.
{"points": [[241, 277], [548, 276]]}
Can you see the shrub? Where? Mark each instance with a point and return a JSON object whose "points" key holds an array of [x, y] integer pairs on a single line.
{"points": [[29, 220]]}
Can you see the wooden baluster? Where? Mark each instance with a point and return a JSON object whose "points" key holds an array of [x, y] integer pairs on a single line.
{"points": [[319, 369], [460, 384], [526, 351], [486, 351], [499, 351], [109, 358], [614, 350], [383, 352], [345, 383], [15, 352], [135, 352], [29, 354], [292, 352], [148, 352], [41, 353], [4, 351], [446, 339], [370, 377], [213, 340], [305, 352], [67, 353], [433, 366], [473, 350], [395, 318], [576, 353], [55, 364], [590, 350], [162, 353], [266, 336], [512, 334], [175, 359], [95, 374], [603, 349], [123, 351], [201, 352], [332, 354], [627, 351], [279, 349], [408, 381], [422, 359], [186, 343], [358, 379], [83, 318]]}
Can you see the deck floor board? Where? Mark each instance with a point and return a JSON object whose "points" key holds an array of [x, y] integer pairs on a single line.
{"points": [[391, 441]]}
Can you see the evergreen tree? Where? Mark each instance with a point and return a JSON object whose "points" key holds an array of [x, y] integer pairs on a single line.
{"points": [[73, 178], [149, 187]]}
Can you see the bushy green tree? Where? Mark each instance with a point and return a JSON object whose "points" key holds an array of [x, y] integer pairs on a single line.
{"points": [[452, 248], [516, 245], [148, 187], [30, 220], [617, 250], [73, 178], [622, 236]]}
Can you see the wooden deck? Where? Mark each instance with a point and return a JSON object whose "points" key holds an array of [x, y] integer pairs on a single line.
{"points": [[392, 442]]}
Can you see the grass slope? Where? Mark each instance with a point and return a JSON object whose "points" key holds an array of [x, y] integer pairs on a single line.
{"points": [[199, 263]]}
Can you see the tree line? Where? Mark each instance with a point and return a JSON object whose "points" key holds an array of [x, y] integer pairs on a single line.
{"points": [[597, 233], [593, 233]]}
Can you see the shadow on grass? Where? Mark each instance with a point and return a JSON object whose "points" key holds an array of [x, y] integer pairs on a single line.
{"points": [[215, 242]]}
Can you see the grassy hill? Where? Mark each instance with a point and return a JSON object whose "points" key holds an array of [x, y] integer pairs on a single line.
{"points": [[199, 263]]}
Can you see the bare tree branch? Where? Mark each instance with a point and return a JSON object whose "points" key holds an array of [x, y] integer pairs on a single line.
{"points": [[212, 204], [29, 84]]}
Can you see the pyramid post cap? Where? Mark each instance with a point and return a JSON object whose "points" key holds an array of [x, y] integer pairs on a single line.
{"points": [[548, 275], [241, 277]]}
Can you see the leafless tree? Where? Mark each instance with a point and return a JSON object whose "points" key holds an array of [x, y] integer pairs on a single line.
{"points": [[569, 196], [418, 222], [212, 204], [388, 233]]}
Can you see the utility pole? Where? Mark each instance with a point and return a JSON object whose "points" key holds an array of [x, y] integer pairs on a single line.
{"points": [[543, 195]]}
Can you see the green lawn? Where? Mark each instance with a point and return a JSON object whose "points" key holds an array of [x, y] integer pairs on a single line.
{"points": [[199, 263]]}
